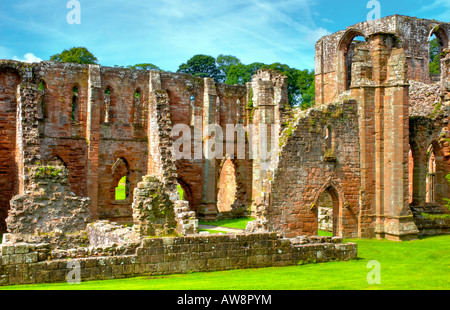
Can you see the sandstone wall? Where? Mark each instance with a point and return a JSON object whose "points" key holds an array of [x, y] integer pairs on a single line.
{"points": [[311, 163], [34, 263]]}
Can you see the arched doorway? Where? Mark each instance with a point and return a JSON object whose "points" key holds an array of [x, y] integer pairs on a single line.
{"points": [[185, 192], [328, 212], [431, 176], [121, 181], [227, 187]]}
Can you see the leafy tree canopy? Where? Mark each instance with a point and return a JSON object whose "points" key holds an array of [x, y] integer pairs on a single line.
{"points": [[144, 66], [79, 55], [202, 66]]}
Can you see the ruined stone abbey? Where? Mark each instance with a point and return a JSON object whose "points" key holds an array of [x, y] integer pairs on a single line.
{"points": [[374, 149]]}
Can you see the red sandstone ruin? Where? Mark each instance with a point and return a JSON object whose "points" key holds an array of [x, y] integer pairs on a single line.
{"points": [[369, 142]]}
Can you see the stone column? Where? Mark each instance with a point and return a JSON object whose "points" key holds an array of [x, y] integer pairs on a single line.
{"points": [[209, 202], [93, 134], [398, 223]]}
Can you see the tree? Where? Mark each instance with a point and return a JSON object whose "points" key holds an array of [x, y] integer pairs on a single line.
{"points": [[241, 74], [225, 62], [144, 66], [435, 57], [202, 66], [79, 55]]}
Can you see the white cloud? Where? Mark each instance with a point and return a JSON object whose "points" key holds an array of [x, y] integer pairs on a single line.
{"points": [[29, 58]]}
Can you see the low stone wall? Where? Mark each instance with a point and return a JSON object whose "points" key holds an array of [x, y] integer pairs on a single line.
{"points": [[32, 263], [431, 220]]}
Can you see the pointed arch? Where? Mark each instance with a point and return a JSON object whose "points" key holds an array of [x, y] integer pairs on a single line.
{"points": [[431, 175], [74, 115], [337, 200], [42, 110], [120, 180], [138, 107], [107, 105], [345, 58]]}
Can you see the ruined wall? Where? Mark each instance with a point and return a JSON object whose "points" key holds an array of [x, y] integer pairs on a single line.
{"points": [[320, 152], [47, 205], [30, 263], [412, 35], [96, 120]]}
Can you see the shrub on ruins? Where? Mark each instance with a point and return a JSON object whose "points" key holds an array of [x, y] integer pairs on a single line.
{"points": [[79, 55]]}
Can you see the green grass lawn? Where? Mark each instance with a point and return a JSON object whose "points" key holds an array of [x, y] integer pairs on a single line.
{"points": [[420, 264], [121, 189], [324, 233], [239, 223]]}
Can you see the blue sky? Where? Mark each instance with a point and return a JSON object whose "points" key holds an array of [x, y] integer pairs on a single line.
{"points": [[169, 32]]}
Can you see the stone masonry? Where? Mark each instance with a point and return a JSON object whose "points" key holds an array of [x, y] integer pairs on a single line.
{"points": [[376, 144]]}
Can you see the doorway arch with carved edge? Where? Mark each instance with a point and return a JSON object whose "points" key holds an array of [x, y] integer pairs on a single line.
{"points": [[337, 195]]}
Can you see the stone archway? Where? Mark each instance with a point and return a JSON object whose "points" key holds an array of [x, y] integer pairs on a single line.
{"points": [[227, 187], [346, 50], [328, 211], [328, 196]]}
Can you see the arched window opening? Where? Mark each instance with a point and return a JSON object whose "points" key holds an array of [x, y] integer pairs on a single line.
{"points": [[42, 109], [329, 155], [410, 175], [217, 118], [349, 55], [352, 43], [107, 105], [192, 109], [238, 112], [74, 113], [227, 187], [435, 59], [431, 175], [137, 107]]}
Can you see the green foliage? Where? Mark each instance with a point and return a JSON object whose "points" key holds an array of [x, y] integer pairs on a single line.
{"points": [[434, 57], [301, 91], [144, 66], [202, 66], [79, 55], [180, 192], [225, 62]]}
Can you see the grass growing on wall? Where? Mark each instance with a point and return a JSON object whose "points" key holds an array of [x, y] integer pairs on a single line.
{"points": [[410, 265]]}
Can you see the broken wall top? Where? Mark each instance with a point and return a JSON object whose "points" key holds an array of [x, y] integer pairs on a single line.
{"points": [[413, 34]]}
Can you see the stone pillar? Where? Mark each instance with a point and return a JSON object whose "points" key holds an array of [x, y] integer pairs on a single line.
{"points": [[93, 134], [209, 202], [398, 223], [380, 53], [365, 96]]}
